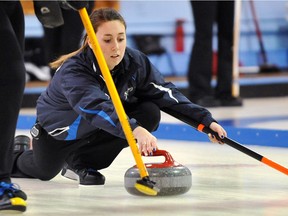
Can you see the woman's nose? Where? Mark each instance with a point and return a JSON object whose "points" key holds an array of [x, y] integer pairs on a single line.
{"points": [[115, 46]]}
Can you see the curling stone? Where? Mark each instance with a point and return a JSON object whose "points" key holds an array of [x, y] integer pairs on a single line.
{"points": [[170, 177]]}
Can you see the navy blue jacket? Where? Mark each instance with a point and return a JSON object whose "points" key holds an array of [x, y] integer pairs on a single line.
{"points": [[77, 103]]}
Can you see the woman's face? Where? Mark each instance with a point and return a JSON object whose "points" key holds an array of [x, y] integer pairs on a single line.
{"points": [[111, 36]]}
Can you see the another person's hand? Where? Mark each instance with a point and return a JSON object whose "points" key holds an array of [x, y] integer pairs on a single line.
{"points": [[219, 130], [147, 143]]}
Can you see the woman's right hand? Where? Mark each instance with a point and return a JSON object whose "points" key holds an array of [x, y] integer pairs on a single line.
{"points": [[147, 143]]}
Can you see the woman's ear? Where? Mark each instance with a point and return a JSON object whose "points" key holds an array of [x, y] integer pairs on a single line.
{"points": [[89, 43]]}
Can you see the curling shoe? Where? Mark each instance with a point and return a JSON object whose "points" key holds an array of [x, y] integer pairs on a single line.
{"points": [[207, 101], [231, 101], [86, 177], [11, 198]]}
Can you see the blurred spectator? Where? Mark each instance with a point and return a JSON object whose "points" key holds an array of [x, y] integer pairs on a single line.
{"points": [[57, 41], [205, 14], [66, 38]]}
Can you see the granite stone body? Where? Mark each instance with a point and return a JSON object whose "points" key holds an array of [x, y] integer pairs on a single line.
{"points": [[171, 177]]}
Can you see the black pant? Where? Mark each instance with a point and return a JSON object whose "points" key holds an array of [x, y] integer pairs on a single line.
{"points": [[205, 14], [97, 151], [12, 79]]}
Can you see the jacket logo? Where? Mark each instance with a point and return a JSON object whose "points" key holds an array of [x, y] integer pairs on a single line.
{"points": [[107, 96], [94, 68], [126, 93]]}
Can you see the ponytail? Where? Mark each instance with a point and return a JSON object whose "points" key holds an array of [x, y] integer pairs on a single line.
{"points": [[57, 63]]}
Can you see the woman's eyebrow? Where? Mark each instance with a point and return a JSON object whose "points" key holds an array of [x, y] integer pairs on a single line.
{"points": [[121, 33]]}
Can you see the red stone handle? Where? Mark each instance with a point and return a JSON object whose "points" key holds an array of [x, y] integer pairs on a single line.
{"points": [[169, 161]]}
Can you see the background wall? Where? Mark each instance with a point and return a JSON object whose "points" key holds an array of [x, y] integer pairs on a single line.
{"points": [[159, 17]]}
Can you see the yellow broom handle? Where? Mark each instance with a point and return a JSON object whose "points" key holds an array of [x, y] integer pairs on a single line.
{"points": [[113, 92]]}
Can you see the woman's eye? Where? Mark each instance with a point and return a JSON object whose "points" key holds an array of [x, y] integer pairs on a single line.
{"points": [[107, 41]]}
